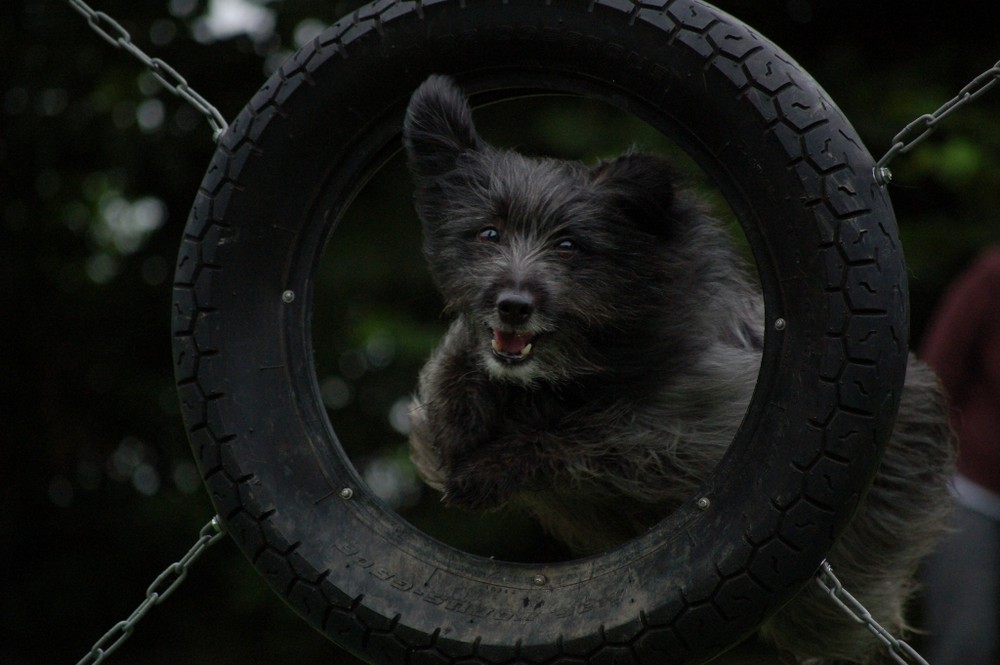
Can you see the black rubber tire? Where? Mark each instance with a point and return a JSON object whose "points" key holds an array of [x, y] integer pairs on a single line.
{"points": [[823, 236]]}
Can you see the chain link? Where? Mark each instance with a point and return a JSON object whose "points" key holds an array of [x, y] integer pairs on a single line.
{"points": [[113, 33], [161, 588], [900, 651], [922, 127]]}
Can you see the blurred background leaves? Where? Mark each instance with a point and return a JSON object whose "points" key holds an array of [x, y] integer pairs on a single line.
{"points": [[98, 167]]}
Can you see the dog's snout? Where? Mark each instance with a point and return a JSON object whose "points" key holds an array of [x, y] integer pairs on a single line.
{"points": [[515, 307]]}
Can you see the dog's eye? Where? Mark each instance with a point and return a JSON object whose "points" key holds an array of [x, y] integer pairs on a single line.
{"points": [[566, 247], [489, 234]]}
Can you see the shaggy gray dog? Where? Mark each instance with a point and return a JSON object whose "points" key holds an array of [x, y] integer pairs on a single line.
{"points": [[605, 345]]}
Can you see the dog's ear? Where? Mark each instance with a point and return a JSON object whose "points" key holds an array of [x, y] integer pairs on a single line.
{"points": [[438, 127], [643, 188]]}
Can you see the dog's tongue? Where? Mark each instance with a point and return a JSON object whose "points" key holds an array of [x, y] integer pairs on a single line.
{"points": [[509, 342]]}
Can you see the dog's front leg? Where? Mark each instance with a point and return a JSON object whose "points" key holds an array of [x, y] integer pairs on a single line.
{"points": [[489, 476]]}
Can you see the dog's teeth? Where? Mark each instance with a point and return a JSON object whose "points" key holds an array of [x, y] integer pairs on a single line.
{"points": [[496, 345], [526, 350]]}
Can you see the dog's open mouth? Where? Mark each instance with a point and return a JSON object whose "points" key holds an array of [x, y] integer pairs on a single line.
{"points": [[512, 346]]}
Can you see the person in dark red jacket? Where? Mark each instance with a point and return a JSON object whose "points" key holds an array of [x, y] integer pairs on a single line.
{"points": [[963, 577]]}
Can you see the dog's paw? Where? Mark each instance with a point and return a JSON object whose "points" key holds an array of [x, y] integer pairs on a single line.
{"points": [[477, 493]]}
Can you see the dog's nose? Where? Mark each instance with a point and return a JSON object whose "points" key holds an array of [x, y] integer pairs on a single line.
{"points": [[515, 307]]}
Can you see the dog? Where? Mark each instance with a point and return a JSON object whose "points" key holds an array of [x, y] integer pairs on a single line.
{"points": [[605, 342]]}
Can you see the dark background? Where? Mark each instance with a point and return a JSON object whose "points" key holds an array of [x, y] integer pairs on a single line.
{"points": [[98, 167]]}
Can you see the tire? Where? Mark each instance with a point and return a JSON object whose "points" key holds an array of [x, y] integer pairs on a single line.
{"points": [[822, 234]]}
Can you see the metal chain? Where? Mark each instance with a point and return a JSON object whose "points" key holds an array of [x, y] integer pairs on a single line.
{"points": [[900, 651], [113, 33], [927, 123], [166, 582], [161, 588]]}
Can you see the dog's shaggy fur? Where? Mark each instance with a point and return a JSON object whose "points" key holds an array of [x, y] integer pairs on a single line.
{"points": [[605, 344]]}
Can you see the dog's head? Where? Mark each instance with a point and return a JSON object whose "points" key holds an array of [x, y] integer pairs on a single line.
{"points": [[557, 269]]}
